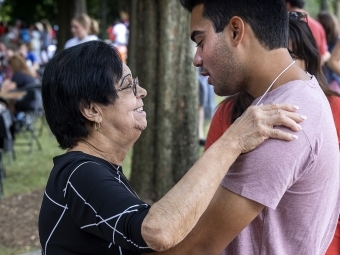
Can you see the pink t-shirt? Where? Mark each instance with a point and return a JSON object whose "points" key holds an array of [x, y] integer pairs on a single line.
{"points": [[319, 35], [297, 182]]}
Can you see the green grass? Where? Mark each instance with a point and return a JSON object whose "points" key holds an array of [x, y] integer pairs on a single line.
{"points": [[29, 171]]}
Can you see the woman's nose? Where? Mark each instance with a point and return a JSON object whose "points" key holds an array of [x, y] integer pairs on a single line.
{"points": [[141, 92]]}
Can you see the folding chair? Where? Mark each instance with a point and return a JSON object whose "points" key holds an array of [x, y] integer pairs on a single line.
{"points": [[28, 110]]}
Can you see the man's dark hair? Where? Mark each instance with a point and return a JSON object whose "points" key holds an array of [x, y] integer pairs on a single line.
{"points": [[296, 3], [74, 78], [268, 19]]}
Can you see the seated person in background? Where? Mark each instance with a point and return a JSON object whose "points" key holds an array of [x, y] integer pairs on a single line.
{"points": [[21, 74], [31, 59]]}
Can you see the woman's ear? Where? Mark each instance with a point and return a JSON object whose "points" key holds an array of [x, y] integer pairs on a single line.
{"points": [[92, 112]]}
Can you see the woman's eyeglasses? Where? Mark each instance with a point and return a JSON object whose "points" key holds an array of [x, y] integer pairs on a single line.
{"points": [[298, 16], [134, 85]]}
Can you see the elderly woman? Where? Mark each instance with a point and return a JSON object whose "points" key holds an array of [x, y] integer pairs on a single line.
{"points": [[94, 108]]}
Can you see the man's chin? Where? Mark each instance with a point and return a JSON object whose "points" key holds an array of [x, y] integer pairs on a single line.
{"points": [[224, 91]]}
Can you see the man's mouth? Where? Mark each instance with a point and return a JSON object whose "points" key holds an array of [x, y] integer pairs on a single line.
{"points": [[140, 109]]}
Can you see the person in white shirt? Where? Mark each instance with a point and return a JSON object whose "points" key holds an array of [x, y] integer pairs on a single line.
{"points": [[121, 33], [80, 27]]}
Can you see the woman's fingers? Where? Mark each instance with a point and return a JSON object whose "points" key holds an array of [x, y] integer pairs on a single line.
{"points": [[287, 119], [257, 124], [279, 134], [274, 106]]}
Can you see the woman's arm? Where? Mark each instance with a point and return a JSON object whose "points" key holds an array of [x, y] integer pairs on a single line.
{"points": [[8, 85], [174, 216], [334, 61]]}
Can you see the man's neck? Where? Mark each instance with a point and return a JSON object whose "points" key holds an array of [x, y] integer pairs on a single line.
{"points": [[265, 69]]}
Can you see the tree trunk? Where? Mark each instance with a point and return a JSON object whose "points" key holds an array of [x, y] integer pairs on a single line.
{"points": [[79, 7], [162, 59], [323, 5], [336, 7], [67, 9]]}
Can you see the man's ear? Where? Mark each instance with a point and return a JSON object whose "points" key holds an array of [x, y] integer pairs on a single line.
{"points": [[236, 28], [92, 112]]}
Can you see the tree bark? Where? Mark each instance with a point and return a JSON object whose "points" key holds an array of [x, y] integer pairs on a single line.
{"points": [[323, 5], [162, 58], [67, 9], [79, 7], [336, 7]]}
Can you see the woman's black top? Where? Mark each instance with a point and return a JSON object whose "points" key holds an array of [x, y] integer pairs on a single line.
{"points": [[22, 79], [90, 208]]}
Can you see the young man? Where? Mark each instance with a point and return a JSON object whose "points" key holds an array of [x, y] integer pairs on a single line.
{"points": [[282, 198], [316, 28]]}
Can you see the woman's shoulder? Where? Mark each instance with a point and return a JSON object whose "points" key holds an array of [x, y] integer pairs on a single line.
{"points": [[333, 98], [83, 166], [225, 106], [71, 42], [90, 38]]}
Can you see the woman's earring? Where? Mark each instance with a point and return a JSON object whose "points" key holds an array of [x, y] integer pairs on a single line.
{"points": [[97, 126]]}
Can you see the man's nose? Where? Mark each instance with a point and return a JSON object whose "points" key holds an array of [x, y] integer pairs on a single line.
{"points": [[197, 60]]}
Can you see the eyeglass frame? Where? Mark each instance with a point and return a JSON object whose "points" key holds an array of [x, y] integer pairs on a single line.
{"points": [[135, 83], [298, 15]]}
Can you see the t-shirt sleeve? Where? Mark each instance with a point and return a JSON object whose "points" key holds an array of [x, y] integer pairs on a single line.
{"points": [[266, 173], [220, 122], [101, 204]]}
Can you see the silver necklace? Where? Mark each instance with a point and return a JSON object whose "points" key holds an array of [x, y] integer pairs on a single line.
{"points": [[271, 85]]}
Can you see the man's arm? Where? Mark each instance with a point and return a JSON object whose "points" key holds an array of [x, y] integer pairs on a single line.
{"points": [[227, 215]]}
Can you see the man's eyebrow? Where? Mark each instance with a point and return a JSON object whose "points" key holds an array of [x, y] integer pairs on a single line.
{"points": [[194, 34], [124, 79]]}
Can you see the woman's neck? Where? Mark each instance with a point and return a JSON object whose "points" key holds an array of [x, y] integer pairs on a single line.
{"points": [[80, 38], [105, 149]]}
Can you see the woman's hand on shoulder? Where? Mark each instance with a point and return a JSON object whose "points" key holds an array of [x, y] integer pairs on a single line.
{"points": [[257, 124]]}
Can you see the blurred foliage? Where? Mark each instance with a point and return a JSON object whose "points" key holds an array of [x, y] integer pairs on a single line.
{"points": [[30, 11], [36, 10]]}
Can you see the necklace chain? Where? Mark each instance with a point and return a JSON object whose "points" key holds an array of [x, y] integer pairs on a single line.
{"points": [[271, 85]]}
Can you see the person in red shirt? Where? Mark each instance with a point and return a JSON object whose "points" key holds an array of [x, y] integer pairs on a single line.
{"points": [[304, 50], [316, 28]]}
